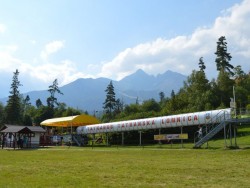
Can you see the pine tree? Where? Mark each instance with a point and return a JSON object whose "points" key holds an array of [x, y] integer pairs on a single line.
{"points": [[53, 89], [26, 103], [13, 108], [202, 64], [27, 100], [110, 101], [225, 84], [223, 57], [162, 96], [1, 114], [39, 103]]}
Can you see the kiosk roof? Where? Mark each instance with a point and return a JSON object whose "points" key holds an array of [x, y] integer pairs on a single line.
{"points": [[69, 121]]}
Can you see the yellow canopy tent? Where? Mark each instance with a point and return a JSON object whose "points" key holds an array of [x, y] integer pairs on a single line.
{"points": [[71, 121]]}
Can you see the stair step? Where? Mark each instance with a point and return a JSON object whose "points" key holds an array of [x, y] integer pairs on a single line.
{"points": [[210, 134]]}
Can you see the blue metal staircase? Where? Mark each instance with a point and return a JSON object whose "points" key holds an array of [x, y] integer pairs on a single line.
{"points": [[210, 134], [211, 129], [77, 139]]}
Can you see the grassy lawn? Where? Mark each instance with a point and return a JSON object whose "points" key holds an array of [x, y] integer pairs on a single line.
{"points": [[128, 166]]}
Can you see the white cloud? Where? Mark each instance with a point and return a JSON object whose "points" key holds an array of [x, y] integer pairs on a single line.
{"points": [[2, 28], [12, 48], [51, 48], [65, 72], [181, 54], [33, 42], [38, 75], [9, 62]]}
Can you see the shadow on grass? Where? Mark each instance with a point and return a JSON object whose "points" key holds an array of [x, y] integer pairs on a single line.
{"points": [[26, 149], [245, 148]]}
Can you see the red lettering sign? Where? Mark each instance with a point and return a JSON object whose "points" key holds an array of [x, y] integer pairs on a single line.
{"points": [[173, 120], [168, 120]]}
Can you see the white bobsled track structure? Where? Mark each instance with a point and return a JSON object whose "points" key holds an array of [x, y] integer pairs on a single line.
{"points": [[181, 120], [210, 122]]}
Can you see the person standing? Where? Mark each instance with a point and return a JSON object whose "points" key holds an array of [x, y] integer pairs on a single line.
{"points": [[3, 142], [200, 132]]}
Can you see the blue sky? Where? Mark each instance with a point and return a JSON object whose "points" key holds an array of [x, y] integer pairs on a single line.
{"points": [[67, 40]]}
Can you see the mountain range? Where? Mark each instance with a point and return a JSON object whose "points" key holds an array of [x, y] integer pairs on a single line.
{"points": [[89, 94]]}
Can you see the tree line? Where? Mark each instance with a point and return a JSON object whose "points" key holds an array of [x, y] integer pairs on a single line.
{"points": [[20, 111], [197, 94]]}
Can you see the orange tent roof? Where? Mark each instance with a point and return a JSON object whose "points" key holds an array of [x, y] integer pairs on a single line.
{"points": [[69, 121]]}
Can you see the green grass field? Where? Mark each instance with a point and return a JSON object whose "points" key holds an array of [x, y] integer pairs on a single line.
{"points": [[149, 166]]}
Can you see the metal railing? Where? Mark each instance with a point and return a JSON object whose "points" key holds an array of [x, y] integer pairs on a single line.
{"points": [[211, 128], [78, 139]]}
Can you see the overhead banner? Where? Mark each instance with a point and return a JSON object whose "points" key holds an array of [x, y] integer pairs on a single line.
{"points": [[170, 136]]}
